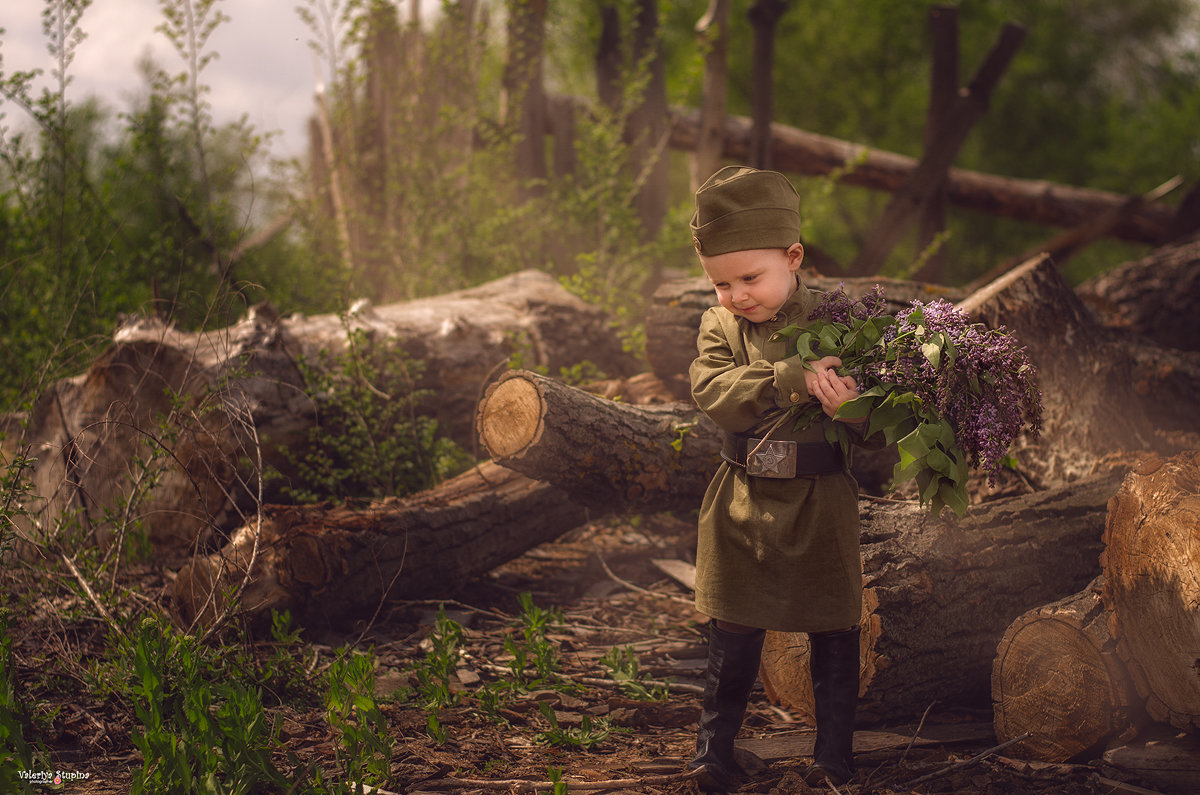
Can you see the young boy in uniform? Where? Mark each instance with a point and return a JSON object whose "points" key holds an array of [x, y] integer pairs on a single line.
{"points": [[778, 541]]}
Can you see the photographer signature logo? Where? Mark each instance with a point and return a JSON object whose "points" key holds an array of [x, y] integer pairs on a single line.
{"points": [[52, 776]]}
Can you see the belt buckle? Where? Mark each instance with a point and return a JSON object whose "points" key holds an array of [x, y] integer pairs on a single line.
{"points": [[771, 459]]}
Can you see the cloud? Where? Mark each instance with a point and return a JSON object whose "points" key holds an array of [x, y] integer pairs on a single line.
{"points": [[264, 69]]}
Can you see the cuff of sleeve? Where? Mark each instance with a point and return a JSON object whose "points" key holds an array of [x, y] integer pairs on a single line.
{"points": [[790, 389]]}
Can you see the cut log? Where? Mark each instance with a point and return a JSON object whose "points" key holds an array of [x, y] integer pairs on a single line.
{"points": [[939, 594], [327, 564], [604, 454], [1152, 584], [156, 432], [1058, 678], [1154, 296]]}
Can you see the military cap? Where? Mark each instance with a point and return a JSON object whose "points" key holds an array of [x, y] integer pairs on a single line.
{"points": [[740, 208]]}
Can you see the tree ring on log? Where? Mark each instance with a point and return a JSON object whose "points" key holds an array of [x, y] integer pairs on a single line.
{"points": [[1056, 677], [513, 422]]}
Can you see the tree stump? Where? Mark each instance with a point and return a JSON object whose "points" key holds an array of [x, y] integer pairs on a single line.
{"points": [[1057, 676], [1152, 584]]}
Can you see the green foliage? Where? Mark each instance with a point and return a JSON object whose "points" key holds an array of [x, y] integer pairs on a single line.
{"points": [[534, 649], [586, 736], [18, 751], [200, 728], [371, 438], [355, 716], [623, 667], [436, 669]]}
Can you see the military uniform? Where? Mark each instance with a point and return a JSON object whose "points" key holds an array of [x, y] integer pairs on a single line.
{"points": [[781, 554], [778, 547]]}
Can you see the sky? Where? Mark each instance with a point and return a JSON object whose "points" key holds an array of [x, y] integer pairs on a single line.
{"points": [[265, 69]]}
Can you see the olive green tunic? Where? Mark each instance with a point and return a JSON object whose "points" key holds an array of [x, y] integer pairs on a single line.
{"points": [[780, 554]]}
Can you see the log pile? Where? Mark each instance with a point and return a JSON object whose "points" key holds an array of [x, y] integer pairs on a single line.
{"points": [[1090, 670], [172, 417]]}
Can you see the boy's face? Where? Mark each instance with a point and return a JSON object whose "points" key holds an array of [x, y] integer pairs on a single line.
{"points": [[754, 284]]}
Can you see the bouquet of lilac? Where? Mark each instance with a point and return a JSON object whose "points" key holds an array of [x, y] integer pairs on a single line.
{"points": [[951, 394]]}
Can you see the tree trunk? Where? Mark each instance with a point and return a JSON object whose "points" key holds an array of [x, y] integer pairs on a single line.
{"points": [[764, 18], [1152, 584], [1104, 394], [1057, 676], [943, 91], [158, 430], [604, 454], [1154, 296], [329, 564], [647, 133], [524, 98], [938, 595], [927, 179], [712, 33]]}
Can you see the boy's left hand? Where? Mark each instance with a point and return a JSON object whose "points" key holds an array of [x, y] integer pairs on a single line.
{"points": [[832, 390]]}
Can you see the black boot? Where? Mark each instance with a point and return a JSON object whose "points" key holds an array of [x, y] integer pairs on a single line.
{"points": [[732, 668], [833, 663]]}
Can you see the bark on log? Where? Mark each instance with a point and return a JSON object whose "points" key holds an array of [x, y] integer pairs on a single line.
{"points": [[100, 437], [1057, 676], [938, 595], [1104, 394], [1152, 584], [1154, 296], [328, 564], [602, 453]]}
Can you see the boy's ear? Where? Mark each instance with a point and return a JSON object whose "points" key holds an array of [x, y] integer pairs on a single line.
{"points": [[795, 254]]}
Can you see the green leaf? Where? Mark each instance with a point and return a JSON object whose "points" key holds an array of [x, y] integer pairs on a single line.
{"points": [[856, 407], [912, 449], [954, 495], [940, 462], [933, 352]]}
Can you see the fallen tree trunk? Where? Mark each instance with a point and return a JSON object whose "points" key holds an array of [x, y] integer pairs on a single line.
{"points": [[1152, 584], [327, 564], [603, 453], [1104, 394], [1057, 677], [1154, 296], [939, 593], [157, 432], [812, 154]]}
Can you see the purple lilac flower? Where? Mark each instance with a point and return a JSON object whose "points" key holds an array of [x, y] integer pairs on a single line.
{"points": [[834, 306], [987, 394]]}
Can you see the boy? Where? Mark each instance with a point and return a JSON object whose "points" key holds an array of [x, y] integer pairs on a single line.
{"points": [[778, 533]]}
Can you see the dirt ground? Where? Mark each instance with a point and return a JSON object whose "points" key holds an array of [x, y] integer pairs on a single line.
{"points": [[611, 596]]}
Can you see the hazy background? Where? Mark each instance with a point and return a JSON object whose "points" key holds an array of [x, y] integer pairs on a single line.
{"points": [[264, 69]]}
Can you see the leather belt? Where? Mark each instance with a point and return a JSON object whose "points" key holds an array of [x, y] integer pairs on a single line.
{"points": [[781, 459]]}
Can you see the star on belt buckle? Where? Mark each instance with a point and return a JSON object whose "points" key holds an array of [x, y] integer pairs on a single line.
{"points": [[771, 459]]}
